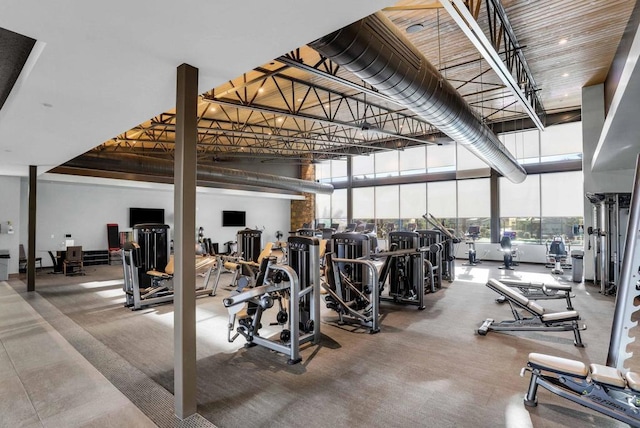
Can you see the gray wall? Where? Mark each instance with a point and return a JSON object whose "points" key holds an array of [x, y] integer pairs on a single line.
{"points": [[83, 210], [10, 211]]}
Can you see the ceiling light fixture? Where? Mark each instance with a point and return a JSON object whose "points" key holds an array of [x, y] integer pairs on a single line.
{"points": [[414, 28], [562, 41], [565, 74]]}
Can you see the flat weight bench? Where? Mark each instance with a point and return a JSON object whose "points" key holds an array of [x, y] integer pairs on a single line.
{"points": [[540, 291], [601, 388], [540, 319]]}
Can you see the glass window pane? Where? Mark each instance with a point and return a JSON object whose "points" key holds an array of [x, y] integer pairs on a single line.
{"points": [[441, 158], [562, 194], [323, 171], [386, 163], [362, 166], [413, 200], [441, 199], [466, 160], [323, 206], [387, 202], [363, 206], [339, 203], [522, 199], [524, 145], [474, 198], [413, 160], [561, 139], [527, 228], [339, 170]]}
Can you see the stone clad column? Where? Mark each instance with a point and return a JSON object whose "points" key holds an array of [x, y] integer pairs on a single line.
{"points": [[304, 211]]}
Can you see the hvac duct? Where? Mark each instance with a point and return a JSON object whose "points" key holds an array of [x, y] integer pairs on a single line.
{"points": [[136, 164], [374, 50]]}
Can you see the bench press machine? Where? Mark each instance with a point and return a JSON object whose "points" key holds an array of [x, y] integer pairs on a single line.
{"points": [[297, 284], [539, 291], [161, 287], [601, 388], [540, 319]]}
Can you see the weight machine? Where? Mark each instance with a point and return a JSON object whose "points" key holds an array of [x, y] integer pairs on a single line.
{"points": [[606, 237], [449, 240], [355, 302], [296, 288], [160, 289]]}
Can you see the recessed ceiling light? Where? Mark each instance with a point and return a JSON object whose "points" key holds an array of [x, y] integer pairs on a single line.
{"points": [[279, 119], [414, 28], [565, 74], [562, 41], [566, 95], [261, 90], [212, 109]]}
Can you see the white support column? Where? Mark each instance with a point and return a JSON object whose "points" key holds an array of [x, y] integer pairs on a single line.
{"points": [[185, 242]]}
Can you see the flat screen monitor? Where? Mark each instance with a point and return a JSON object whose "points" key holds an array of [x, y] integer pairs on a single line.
{"points": [[510, 234], [234, 218], [474, 230], [146, 215]]}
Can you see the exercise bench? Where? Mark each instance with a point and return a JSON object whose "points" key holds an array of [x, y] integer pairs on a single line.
{"points": [[539, 319], [601, 388]]}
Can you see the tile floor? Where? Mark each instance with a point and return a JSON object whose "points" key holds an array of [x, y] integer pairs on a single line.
{"points": [[45, 382]]}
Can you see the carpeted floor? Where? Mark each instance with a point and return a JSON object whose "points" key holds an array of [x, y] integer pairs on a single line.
{"points": [[425, 368]]}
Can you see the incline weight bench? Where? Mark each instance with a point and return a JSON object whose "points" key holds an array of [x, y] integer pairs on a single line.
{"points": [[540, 320], [601, 388], [539, 291]]}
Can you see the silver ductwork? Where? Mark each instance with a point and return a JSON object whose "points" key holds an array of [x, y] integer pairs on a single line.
{"points": [[374, 50], [152, 166]]}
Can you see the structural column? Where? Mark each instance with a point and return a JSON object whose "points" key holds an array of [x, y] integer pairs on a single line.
{"points": [[494, 185], [304, 211], [31, 234], [185, 242]]}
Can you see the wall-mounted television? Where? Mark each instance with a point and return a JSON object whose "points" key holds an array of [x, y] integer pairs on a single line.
{"points": [[145, 215], [234, 218]]}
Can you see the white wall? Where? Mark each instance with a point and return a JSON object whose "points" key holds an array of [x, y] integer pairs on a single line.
{"points": [[83, 210], [10, 211]]}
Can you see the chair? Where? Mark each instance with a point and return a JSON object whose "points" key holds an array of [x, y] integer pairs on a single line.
{"points": [[55, 262], [23, 259], [73, 264]]}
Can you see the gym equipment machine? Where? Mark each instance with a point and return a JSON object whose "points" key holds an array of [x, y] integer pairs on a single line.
{"points": [[448, 248], [160, 289], [557, 255], [601, 388], [249, 244], [473, 232], [153, 240], [350, 245], [298, 284], [433, 239], [606, 237], [355, 302], [508, 250], [408, 271], [540, 319]]}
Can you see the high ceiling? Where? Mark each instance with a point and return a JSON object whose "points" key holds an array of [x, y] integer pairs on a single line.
{"points": [[273, 99]]}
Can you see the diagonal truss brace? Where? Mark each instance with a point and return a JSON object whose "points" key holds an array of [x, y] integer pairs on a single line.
{"points": [[522, 85]]}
